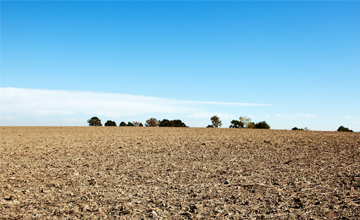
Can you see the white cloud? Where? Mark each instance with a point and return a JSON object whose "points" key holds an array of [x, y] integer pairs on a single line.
{"points": [[209, 115], [307, 115], [41, 102], [6, 118], [297, 116], [284, 116], [225, 103], [352, 117]]}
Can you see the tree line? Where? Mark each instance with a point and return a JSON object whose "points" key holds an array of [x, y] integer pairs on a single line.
{"points": [[243, 122], [152, 122]]}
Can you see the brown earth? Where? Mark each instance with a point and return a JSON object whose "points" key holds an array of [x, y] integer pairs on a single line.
{"points": [[178, 173]]}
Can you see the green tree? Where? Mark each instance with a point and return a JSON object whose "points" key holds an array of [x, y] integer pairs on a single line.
{"points": [[295, 129], [178, 123], [166, 123], [130, 124], [152, 122], [215, 120], [343, 129], [236, 124], [262, 125], [94, 121], [122, 124], [172, 123], [110, 123]]}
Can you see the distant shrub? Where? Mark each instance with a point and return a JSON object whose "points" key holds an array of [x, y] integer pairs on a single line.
{"points": [[343, 129], [297, 129], [245, 121], [166, 123], [178, 123], [94, 121], [250, 125], [110, 123], [215, 120], [122, 124], [141, 125], [262, 125], [172, 123], [236, 124], [210, 126], [152, 122], [130, 124], [136, 123]]}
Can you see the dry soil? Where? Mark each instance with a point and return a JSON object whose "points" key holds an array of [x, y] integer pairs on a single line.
{"points": [[178, 173]]}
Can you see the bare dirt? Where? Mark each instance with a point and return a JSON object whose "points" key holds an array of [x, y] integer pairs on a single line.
{"points": [[178, 173]]}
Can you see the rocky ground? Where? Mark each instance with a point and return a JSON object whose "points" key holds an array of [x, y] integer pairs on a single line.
{"points": [[178, 173]]}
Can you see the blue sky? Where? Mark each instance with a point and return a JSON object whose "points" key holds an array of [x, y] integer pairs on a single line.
{"points": [[288, 63]]}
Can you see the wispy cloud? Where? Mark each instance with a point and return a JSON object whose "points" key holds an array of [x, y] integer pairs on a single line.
{"points": [[284, 116], [6, 117], [297, 116], [307, 115], [225, 103], [352, 117], [41, 102], [209, 115]]}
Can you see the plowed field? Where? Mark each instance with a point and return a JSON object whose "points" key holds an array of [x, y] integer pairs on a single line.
{"points": [[178, 173]]}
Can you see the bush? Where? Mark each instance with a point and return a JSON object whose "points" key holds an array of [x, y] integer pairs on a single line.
{"points": [[245, 121], [236, 124], [122, 124], [215, 120], [136, 123], [210, 126], [110, 123], [172, 123], [343, 129], [130, 124], [297, 129], [152, 122], [262, 125], [94, 121], [250, 125], [178, 123], [165, 123]]}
